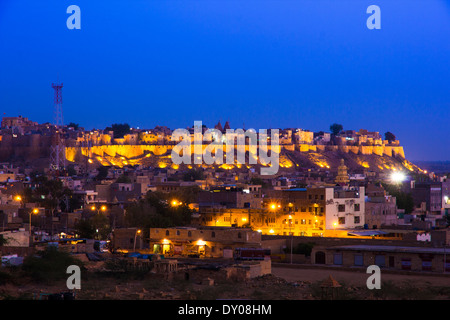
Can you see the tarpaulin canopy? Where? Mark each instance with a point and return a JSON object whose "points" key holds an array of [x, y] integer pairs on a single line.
{"points": [[366, 233]]}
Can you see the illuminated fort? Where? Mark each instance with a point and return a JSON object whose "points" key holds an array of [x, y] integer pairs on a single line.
{"points": [[297, 148], [29, 141]]}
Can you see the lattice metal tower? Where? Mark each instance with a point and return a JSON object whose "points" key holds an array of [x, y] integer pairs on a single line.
{"points": [[58, 148]]}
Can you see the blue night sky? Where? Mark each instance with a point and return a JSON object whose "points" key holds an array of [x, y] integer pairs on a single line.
{"points": [[268, 64]]}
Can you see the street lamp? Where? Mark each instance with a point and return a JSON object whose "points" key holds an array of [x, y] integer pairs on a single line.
{"points": [[292, 236], [398, 177], [102, 208], [135, 235], [176, 203], [34, 211]]}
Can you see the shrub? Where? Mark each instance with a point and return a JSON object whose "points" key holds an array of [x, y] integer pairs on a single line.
{"points": [[49, 265], [303, 248]]}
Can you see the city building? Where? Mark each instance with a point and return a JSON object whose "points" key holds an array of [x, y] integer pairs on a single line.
{"points": [[202, 241], [404, 258], [380, 208], [324, 211]]}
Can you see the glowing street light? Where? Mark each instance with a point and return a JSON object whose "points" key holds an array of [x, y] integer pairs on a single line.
{"points": [[34, 211], [102, 208], [398, 177], [18, 198], [135, 235], [201, 242], [176, 203]]}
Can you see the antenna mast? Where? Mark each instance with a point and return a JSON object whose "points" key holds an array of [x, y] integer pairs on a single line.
{"points": [[58, 148]]}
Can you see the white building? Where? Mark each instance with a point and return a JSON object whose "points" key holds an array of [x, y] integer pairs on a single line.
{"points": [[344, 208]]}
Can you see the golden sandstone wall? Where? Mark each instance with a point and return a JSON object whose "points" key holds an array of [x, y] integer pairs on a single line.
{"points": [[74, 154]]}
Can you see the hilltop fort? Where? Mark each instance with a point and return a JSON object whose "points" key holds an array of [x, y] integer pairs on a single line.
{"points": [[22, 140]]}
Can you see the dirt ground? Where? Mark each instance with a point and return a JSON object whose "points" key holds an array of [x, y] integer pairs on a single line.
{"points": [[285, 283]]}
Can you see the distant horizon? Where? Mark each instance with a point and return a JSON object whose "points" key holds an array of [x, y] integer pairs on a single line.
{"points": [[266, 64], [223, 122]]}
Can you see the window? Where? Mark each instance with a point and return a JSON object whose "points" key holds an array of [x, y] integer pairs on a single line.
{"points": [[213, 234], [178, 232], [359, 260], [341, 208], [406, 264], [321, 197], [239, 235], [337, 258], [341, 220], [303, 221], [357, 219], [167, 232], [447, 265], [427, 264], [380, 260], [189, 234], [303, 209], [357, 207]]}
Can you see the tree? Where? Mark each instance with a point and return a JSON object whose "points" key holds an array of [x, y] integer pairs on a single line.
{"points": [[404, 200], [193, 174], [71, 170], [389, 136], [304, 248], [101, 224], [157, 211], [258, 181], [335, 128], [49, 193], [123, 179], [49, 265], [3, 241], [85, 229], [119, 129], [75, 126], [102, 173], [96, 226]]}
